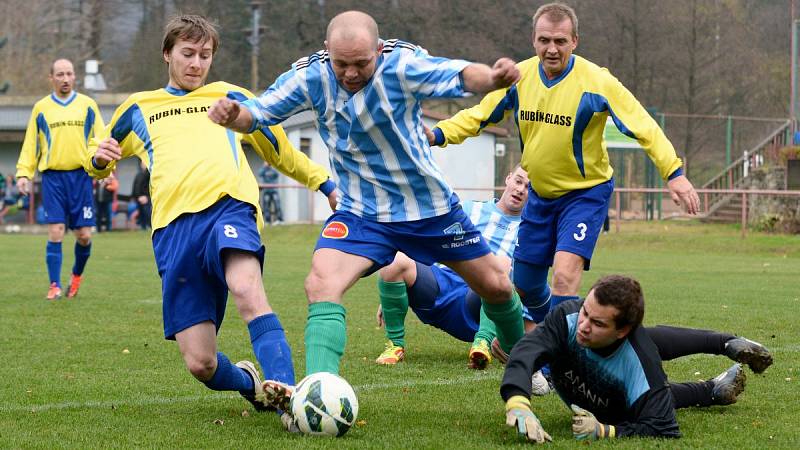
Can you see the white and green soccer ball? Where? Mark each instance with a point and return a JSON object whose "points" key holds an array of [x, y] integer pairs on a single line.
{"points": [[324, 404]]}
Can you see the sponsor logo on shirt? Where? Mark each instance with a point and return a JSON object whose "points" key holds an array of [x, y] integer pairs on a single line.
{"points": [[65, 123], [545, 117], [177, 112], [335, 230]]}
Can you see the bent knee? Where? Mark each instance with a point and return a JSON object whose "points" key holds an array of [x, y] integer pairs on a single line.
{"points": [[320, 287], [202, 368], [499, 290], [566, 282]]}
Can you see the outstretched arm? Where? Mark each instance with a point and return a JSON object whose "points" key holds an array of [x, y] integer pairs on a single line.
{"points": [[480, 78]]}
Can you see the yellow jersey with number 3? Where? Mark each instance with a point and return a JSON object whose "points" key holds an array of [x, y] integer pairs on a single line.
{"points": [[561, 124]]}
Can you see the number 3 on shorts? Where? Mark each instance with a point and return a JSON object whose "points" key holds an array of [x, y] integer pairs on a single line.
{"points": [[230, 231], [581, 234]]}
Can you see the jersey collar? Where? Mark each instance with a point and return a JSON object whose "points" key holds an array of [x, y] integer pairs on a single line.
{"points": [[554, 81], [66, 102], [175, 91]]}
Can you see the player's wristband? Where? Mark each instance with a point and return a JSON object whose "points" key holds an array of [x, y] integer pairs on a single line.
{"points": [[438, 138], [518, 402], [327, 187], [678, 172], [94, 164]]}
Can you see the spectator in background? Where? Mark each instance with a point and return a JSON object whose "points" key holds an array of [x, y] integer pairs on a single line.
{"points": [[140, 195], [269, 195], [105, 193]]}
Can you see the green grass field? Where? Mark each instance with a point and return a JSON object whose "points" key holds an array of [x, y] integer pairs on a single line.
{"points": [[95, 372]]}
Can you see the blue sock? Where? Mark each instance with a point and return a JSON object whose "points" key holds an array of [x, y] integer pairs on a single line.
{"points": [[537, 307], [53, 258], [229, 377], [271, 349], [555, 300], [531, 279], [81, 256]]}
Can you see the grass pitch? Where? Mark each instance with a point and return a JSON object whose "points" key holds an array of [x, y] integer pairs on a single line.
{"points": [[95, 372]]}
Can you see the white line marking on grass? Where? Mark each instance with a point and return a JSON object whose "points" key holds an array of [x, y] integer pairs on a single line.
{"points": [[148, 401]]}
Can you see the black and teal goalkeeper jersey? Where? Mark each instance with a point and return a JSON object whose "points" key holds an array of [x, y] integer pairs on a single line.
{"points": [[624, 386]]}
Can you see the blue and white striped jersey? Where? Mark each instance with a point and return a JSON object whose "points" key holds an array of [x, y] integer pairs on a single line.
{"points": [[499, 230], [379, 154]]}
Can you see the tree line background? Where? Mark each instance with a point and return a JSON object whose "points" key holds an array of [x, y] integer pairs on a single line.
{"points": [[693, 57]]}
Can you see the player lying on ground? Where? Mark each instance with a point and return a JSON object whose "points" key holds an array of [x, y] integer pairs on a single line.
{"points": [[608, 368], [438, 295], [206, 217]]}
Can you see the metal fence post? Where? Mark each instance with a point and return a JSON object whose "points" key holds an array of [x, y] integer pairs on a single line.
{"points": [[744, 214]]}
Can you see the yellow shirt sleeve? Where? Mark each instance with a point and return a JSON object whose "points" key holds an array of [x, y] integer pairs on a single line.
{"points": [[29, 155], [492, 109], [130, 145], [273, 146], [637, 122]]}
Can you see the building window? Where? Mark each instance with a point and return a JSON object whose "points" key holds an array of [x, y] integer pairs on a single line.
{"points": [[305, 146]]}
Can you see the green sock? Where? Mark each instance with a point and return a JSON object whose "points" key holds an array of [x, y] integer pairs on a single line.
{"points": [[394, 303], [508, 319], [325, 337], [487, 330]]}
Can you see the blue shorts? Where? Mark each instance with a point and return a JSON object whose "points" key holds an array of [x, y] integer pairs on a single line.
{"points": [[67, 198], [570, 223], [449, 237], [188, 255], [438, 298]]}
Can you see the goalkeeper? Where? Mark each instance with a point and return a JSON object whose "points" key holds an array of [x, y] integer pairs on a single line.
{"points": [[608, 368]]}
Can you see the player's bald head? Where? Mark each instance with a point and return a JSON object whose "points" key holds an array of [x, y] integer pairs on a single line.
{"points": [[352, 25], [61, 64]]}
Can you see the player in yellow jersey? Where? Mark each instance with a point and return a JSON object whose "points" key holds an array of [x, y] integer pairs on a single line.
{"points": [[206, 217], [561, 104], [56, 143]]}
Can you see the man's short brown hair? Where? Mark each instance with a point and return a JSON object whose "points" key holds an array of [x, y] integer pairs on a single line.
{"points": [[191, 28], [623, 293], [557, 12]]}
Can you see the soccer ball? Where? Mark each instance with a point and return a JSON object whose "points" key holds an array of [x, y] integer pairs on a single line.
{"points": [[324, 404]]}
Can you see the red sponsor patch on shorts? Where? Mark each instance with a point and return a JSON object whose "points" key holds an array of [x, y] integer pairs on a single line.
{"points": [[335, 230]]}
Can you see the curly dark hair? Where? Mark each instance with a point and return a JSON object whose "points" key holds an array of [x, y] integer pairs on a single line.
{"points": [[623, 293]]}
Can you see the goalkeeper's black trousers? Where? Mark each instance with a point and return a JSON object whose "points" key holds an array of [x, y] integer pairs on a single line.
{"points": [[674, 342]]}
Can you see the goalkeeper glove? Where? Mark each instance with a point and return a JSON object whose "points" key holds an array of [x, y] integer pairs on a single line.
{"points": [[519, 415], [586, 426]]}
